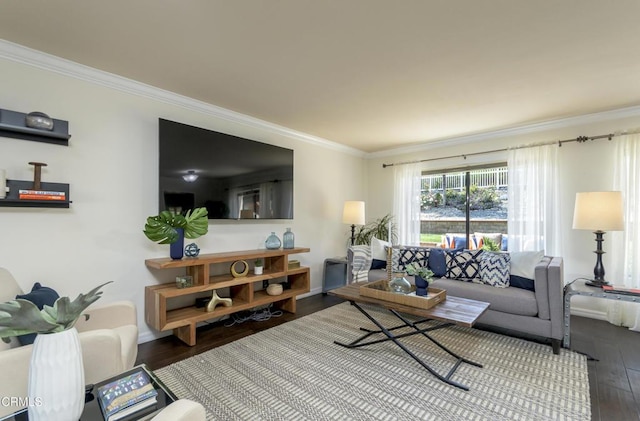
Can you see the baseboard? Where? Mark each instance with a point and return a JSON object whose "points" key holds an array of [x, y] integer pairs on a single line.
{"points": [[592, 314]]}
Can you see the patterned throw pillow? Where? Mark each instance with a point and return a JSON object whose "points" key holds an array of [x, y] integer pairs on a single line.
{"points": [[409, 255], [361, 263], [495, 269], [463, 264]]}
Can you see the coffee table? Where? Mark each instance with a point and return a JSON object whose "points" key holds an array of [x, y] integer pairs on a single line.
{"points": [[452, 311]]}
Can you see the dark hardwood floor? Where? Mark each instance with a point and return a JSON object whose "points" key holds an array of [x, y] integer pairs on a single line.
{"points": [[614, 375]]}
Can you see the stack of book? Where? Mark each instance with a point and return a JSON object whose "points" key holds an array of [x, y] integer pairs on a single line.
{"points": [[42, 195], [618, 289], [126, 396]]}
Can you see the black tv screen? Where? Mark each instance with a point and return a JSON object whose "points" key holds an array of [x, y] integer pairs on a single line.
{"points": [[233, 177]]}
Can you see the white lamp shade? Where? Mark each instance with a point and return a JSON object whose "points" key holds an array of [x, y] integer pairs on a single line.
{"points": [[598, 211], [353, 212]]}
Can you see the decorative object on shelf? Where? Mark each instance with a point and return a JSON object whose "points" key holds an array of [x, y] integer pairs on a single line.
{"points": [[274, 289], [288, 238], [215, 300], [56, 373], [176, 249], [422, 277], [37, 173], [165, 228], [192, 250], [185, 281], [353, 214], [38, 120], [598, 212], [273, 242], [243, 272], [3, 183], [257, 267], [399, 284], [293, 264]]}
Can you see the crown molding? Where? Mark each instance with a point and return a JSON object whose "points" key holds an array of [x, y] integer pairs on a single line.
{"points": [[30, 57], [514, 131]]}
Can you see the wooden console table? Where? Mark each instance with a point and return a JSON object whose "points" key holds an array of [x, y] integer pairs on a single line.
{"points": [[244, 291]]}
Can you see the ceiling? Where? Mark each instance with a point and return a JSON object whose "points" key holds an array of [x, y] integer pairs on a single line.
{"points": [[370, 74]]}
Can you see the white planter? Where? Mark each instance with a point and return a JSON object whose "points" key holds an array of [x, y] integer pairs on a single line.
{"points": [[56, 377], [257, 270]]}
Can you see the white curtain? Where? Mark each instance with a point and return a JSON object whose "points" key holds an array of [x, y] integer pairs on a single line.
{"points": [[534, 200], [406, 203], [625, 247]]}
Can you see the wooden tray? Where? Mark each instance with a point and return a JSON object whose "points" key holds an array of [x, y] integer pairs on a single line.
{"points": [[380, 290]]}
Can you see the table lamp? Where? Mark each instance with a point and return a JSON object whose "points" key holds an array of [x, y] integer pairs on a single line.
{"points": [[599, 212], [353, 214]]}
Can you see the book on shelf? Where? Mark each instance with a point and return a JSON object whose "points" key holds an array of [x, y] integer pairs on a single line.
{"points": [[125, 396], [24, 196], [43, 192], [618, 289]]}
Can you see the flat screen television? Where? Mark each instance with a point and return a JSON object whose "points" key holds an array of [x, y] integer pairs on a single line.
{"points": [[233, 177]]}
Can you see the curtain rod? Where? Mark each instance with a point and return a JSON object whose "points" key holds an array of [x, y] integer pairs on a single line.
{"points": [[579, 139]]}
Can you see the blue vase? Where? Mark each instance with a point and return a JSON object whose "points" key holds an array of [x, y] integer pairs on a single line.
{"points": [[176, 249], [421, 285], [288, 239], [273, 242]]}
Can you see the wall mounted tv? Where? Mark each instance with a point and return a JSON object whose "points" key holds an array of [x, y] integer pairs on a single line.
{"points": [[234, 178]]}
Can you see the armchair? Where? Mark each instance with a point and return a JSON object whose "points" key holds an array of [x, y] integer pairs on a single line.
{"points": [[109, 341]]}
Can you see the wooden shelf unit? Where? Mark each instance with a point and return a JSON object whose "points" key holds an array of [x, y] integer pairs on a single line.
{"points": [[242, 290]]}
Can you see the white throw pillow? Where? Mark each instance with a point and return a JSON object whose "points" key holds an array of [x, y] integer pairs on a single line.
{"points": [[379, 249], [523, 263]]}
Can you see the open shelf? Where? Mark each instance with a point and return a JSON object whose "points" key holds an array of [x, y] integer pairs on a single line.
{"points": [[13, 200], [12, 124], [241, 290]]}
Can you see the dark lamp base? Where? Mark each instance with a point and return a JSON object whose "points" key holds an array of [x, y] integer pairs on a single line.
{"points": [[596, 283]]}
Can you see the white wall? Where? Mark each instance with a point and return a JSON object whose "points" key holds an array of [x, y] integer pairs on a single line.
{"points": [[111, 165], [583, 167]]}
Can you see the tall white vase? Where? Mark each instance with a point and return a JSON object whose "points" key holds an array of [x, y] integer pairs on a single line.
{"points": [[56, 377]]}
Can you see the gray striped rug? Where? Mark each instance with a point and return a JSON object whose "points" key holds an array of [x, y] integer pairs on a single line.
{"points": [[295, 372]]}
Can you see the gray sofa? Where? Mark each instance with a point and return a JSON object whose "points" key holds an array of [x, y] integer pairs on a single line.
{"points": [[538, 313]]}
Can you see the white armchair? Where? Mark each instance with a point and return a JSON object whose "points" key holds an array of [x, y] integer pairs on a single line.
{"points": [[109, 341]]}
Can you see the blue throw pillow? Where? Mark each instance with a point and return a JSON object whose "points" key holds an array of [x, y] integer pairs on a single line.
{"points": [[522, 282], [459, 243], [40, 296], [378, 264], [437, 262], [505, 243]]}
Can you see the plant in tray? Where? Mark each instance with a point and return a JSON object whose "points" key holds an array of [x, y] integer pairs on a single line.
{"points": [[422, 276]]}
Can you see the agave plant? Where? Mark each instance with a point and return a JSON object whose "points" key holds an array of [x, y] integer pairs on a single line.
{"points": [[161, 229], [21, 317]]}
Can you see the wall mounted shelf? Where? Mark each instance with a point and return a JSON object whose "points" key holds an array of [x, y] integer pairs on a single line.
{"points": [[12, 124], [13, 200]]}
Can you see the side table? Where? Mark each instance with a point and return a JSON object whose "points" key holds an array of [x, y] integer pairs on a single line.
{"points": [[578, 287], [334, 274]]}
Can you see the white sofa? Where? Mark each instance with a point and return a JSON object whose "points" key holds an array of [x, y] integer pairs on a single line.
{"points": [[109, 341]]}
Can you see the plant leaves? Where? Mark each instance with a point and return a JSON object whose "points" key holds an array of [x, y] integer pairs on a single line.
{"points": [[161, 229], [22, 316], [68, 312]]}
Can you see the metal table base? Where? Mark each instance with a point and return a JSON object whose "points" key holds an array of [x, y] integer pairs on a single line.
{"points": [[417, 330]]}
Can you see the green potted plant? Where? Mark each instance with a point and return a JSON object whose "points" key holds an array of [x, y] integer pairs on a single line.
{"points": [[422, 277], [171, 228], [56, 373], [257, 266], [379, 229]]}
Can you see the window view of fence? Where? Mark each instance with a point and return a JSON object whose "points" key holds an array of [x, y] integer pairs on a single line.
{"points": [[443, 208]]}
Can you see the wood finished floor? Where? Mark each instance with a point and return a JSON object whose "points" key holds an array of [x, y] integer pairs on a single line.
{"points": [[614, 378]]}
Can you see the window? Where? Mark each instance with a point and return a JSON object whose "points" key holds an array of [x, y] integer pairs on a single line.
{"points": [[465, 208]]}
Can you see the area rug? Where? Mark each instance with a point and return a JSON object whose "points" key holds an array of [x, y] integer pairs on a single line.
{"points": [[295, 372]]}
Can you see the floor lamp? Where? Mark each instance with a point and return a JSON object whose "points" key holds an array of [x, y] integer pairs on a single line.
{"points": [[599, 212], [353, 214]]}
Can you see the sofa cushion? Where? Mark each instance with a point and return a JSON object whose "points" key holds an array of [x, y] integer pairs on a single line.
{"points": [[463, 264], [437, 262], [379, 249], [407, 255], [40, 296], [507, 300], [494, 269]]}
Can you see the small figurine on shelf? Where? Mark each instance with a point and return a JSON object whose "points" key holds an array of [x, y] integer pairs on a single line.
{"points": [[257, 267]]}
